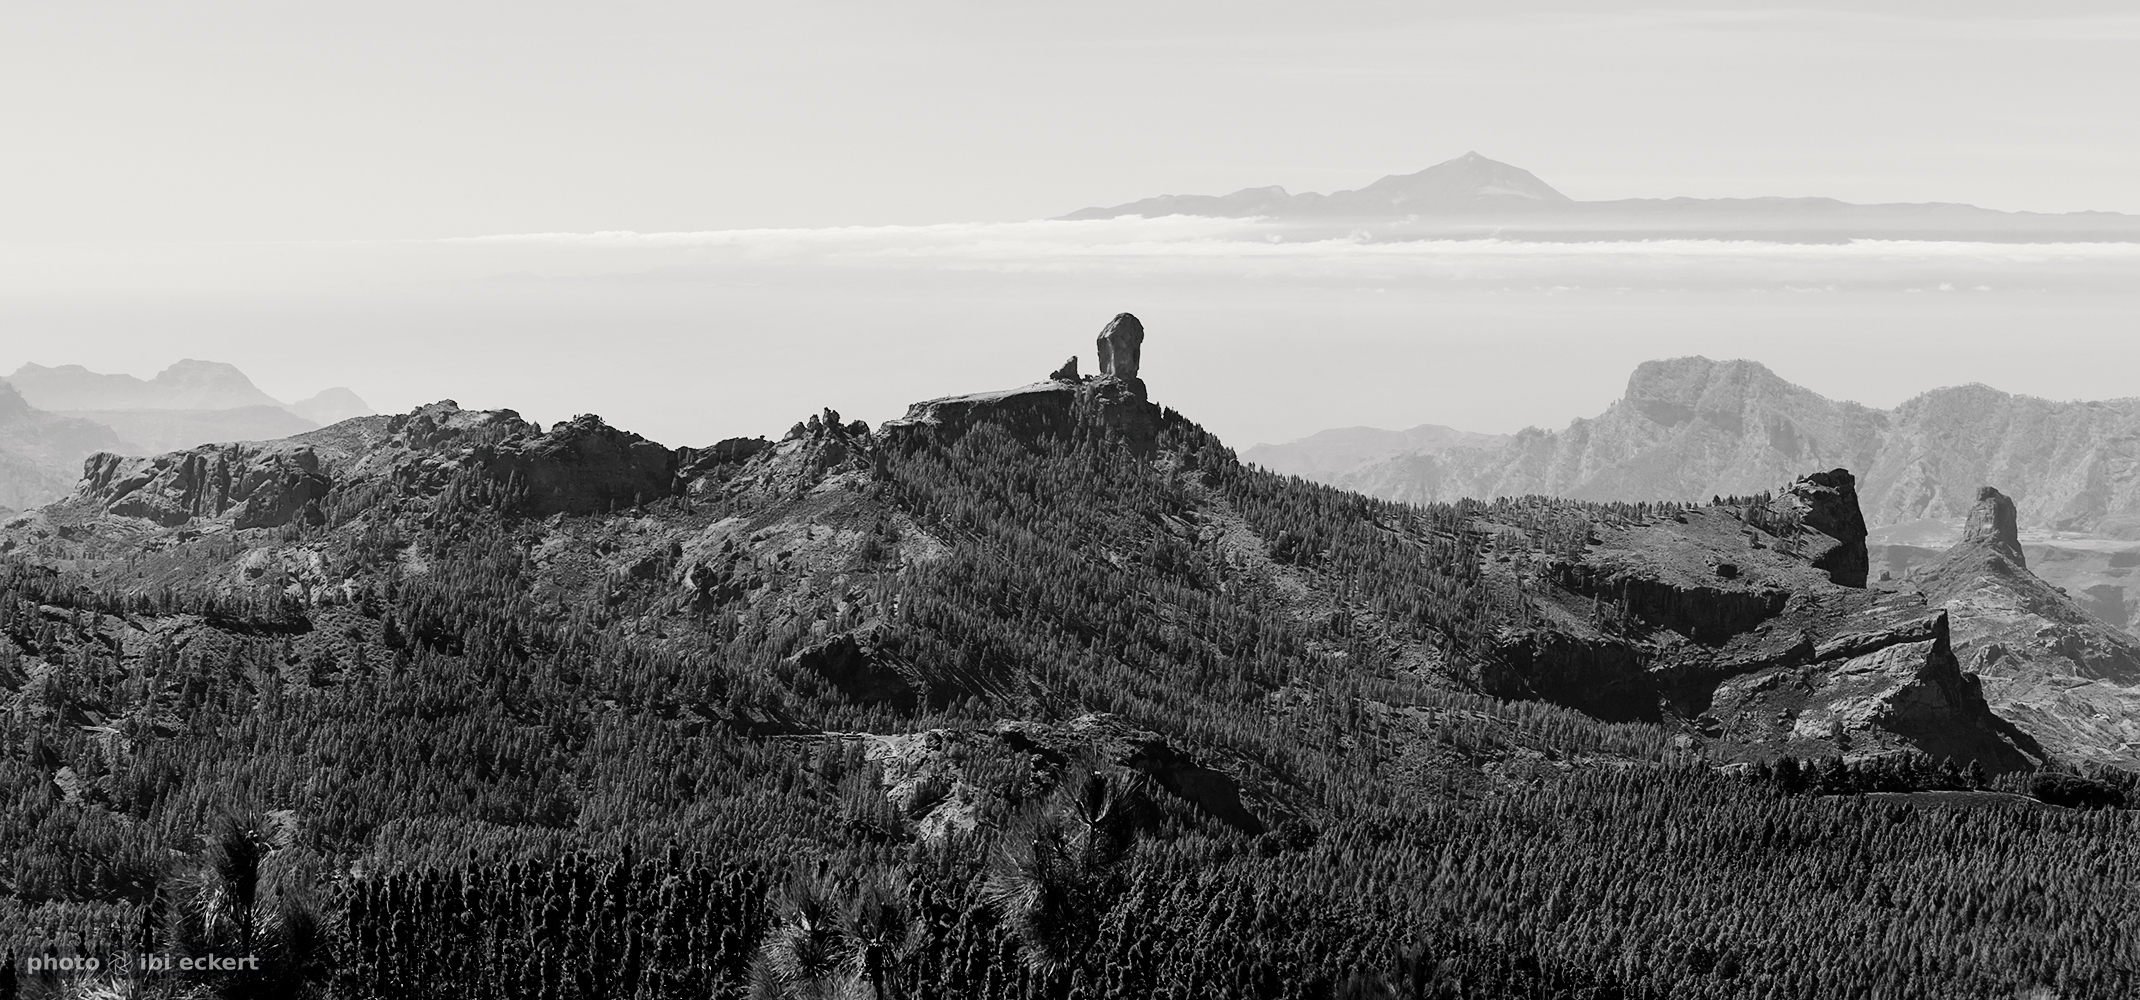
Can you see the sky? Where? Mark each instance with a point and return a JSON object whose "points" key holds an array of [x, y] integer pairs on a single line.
{"points": [[399, 197]]}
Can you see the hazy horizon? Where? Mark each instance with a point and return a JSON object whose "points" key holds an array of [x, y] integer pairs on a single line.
{"points": [[704, 223], [692, 337]]}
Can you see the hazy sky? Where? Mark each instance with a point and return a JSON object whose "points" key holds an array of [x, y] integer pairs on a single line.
{"points": [[834, 197], [298, 119]]}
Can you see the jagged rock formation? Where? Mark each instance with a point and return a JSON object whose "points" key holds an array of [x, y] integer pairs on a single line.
{"points": [[260, 487], [2063, 675], [1121, 344], [1040, 408], [1691, 428], [585, 466], [1753, 629], [1827, 502], [1067, 373]]}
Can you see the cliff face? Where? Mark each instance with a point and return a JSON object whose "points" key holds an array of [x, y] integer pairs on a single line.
{"points": [[1690, 428], [257, 486], [1752, 627]]}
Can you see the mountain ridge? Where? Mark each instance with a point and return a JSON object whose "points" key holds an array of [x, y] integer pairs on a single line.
{"points": [[1626, 612]]}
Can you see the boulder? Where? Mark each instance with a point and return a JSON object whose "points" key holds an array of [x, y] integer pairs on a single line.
{"points": [[1067, 373], [1121, 344]]}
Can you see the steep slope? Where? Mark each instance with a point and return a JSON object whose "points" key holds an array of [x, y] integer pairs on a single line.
{"points": [[2061, 674]]}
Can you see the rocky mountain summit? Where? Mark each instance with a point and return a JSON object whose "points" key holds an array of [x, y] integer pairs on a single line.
{"points": [[1747, 625]]}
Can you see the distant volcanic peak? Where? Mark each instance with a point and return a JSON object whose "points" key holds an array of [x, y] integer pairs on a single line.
{"points": [[1463, 185], [1468, 179]]}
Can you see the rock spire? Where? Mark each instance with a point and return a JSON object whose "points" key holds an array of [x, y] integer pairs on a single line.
{"points": [[1121, 341], [1993, 523]]}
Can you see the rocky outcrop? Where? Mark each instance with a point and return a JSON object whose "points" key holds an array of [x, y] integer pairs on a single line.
{"points": [[259, 486], [1903, 681], [1827, 503], [1992, 525], [1115, 400], [1042, 409], [584, 466], [1121, 346], [1788, 653], [2063, 675]]}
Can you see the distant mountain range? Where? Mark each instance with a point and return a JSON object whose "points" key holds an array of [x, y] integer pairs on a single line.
{"points": [[51, 419], [1475, 196], [1692, 428]]}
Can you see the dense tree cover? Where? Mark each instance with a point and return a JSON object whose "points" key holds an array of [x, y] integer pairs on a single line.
{"points": [[457, 776]]}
